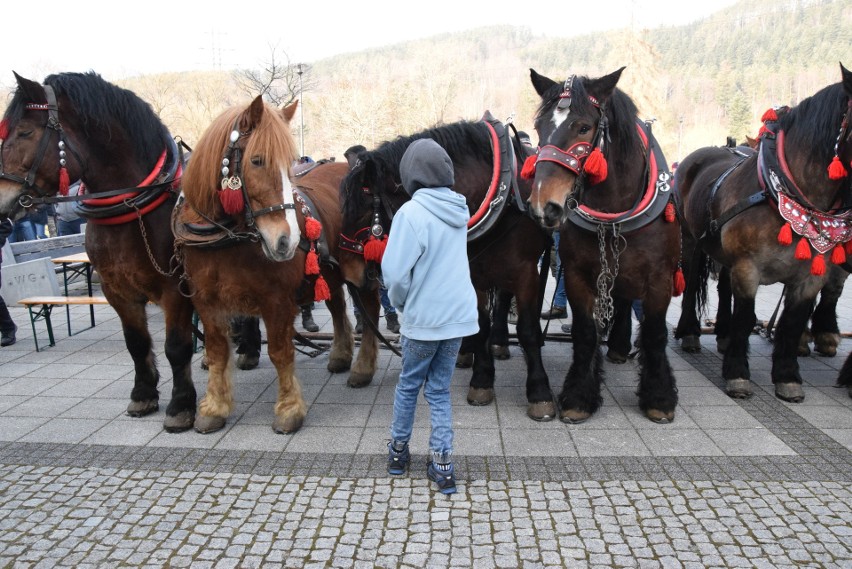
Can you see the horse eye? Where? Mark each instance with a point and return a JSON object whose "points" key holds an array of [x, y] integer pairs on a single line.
{"points": [[257, 160], [584, 129], [24, 133]]}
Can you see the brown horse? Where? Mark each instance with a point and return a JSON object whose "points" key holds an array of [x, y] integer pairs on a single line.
{"points": [[78, 126], [773, 217], [253, 244], [601, 178]]}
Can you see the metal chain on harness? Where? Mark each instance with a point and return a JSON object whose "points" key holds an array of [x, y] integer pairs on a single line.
{"points": [[604, 306], [174, 263]]}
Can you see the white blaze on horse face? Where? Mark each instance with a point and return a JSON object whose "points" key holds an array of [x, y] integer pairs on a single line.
{"points": [[559, 117], [290, 212]]}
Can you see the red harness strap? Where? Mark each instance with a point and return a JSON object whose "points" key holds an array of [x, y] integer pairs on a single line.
{"points": [[495, 179]]}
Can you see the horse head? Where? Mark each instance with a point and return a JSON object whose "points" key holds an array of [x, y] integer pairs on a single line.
{"points": [[240, 169], [572, 123]]}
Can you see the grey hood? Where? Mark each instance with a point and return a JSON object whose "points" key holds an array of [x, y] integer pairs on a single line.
{"points": [[425, 164]]}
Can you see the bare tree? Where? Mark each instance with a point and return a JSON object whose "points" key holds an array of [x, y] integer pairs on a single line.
{"points": [[277, 79]]}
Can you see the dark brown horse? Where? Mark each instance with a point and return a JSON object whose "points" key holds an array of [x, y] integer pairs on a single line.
{"points": [[503, 256], [78, 126], [781, 215], [600, 177], [253, 244]]}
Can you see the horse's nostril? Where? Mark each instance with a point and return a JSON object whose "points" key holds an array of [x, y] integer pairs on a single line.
{"points": [[283, 244], [552, 212]]}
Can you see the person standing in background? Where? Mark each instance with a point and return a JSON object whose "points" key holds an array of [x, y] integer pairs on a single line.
{"points": [[68, 222], [7, 326]]}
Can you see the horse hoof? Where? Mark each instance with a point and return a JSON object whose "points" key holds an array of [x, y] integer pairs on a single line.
{"points": [[358, 380], [479, 397], [179, 423], [464, 361], [287, 425], [248, 361], [738, 388], [542, 411], [615, 357], [826, 344], [722, 344], [500, 352], [205, 364], [206, 424], [803, 351], [142, 408], [660, 417], [791, 392], [690, 344], [574, 416], [338, 365]]}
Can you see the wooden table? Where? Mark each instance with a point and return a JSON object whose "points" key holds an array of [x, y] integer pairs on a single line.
{"points": [[76, 265]]}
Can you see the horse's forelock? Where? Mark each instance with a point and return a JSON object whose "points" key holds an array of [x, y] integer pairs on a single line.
{"points": [[202, 177]]}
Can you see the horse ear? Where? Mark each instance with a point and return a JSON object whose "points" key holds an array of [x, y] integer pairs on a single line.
{"points": [[33, 91], [541, 83], [602, 88], [255, 112], [290, 110], [847, 80]]}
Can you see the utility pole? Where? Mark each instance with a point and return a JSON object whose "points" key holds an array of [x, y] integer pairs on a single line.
{"points": [[301, 111]]}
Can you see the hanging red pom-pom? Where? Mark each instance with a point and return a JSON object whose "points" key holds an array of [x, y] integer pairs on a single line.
{"points": [[232, 201], [818, 266], [670, 212], [64, 181], [838, 255], [769, 115], [4, 130], [596, 166], [803, 250], [679, 282], [785, 236], [321, 290], [313, 228], [836, 171], [374, 249], [528, 171], [312, 263]]}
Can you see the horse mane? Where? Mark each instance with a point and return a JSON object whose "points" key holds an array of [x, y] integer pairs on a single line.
{"points": [[620, 109], [99, 105], [271, 140], [813, 124]]}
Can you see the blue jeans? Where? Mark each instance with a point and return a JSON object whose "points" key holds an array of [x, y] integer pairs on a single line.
{"points": [[559, 298], [430, 365], [69, 227]]}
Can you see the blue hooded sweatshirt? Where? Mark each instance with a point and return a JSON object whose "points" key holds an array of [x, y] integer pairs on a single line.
{"points": [[425, 266]]}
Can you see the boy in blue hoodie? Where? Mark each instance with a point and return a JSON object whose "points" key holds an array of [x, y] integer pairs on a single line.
{"points": [[425, 269]]}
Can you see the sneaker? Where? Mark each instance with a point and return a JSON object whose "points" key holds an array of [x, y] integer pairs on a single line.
{"points": [[554, 312], [445, 479], [8, 338], [398, 459], [393, 322]]}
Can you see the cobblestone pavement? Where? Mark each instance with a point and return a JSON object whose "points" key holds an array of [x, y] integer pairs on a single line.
{"points": [[731, 483]]}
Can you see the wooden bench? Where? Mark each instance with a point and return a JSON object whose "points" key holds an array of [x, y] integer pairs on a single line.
{"points": [[40, 308]]}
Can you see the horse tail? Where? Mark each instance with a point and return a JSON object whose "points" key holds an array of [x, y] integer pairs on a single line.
{"points": [[704, 267]]}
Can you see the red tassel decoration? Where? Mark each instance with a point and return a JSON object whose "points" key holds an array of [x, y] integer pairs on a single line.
{"points": [[596, 166], [4, 130], [785, 236], [528, 171], [670, 212], [321, 290], [65, 183], [232, 201], [803, 250], [312, 263], [769, 115], [374, 249], [838, 255], [836, 171], [848, 247], [818, 266], [679, 282], [313, 229]]}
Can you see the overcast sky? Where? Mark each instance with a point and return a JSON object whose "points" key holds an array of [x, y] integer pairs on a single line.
{"points": [[120, 39]]}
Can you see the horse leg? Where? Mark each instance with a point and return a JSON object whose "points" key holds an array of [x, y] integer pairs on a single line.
{"points": [[540, 403], [465, 358], [688, 328], [218, 402], [657, 389], [481, 390], [735, 368], [723, 311], [365, 364], [824, 329], [144, 398], [180, 413], [290, 408], [581, 393], [618, 342], [785, 363], [342, 343], [248, 341], [844, 379], [499, 340]]}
